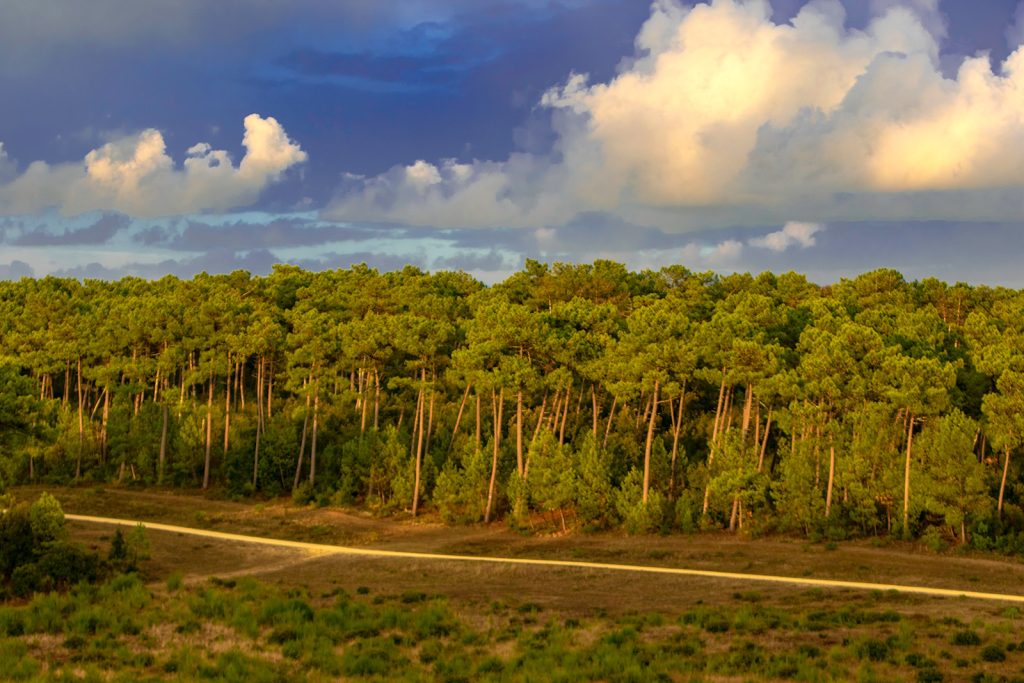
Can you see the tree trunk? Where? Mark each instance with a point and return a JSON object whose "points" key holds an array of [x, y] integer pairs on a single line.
{"points": [[302, 445], [430, 415], [270, 389], [536, 428], [831, 474], [478, 423], [312, 448], [906, 476], [81, 424], [259, 423], [593, 401], [365, 404], [458, 418], [650, 441], [519, 432], [209, 433], [498, 404], [1002, 484], [103, 428], [376, 400], [748, 403], [565, 414], [677, 426], [163, 447], [611, 417], [419, 442], [764, 442], [227, 408]]}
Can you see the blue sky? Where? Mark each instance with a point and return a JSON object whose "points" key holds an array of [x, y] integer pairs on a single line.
{"points": [[183, 135]]}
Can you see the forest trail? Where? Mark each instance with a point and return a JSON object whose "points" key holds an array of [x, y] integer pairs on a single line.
{"points": [[317, 549]]}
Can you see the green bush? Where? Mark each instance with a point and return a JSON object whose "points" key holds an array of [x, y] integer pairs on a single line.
{"points": [[993, 653]]}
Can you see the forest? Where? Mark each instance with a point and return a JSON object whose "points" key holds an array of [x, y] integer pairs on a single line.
{"points": [[565, 397]]}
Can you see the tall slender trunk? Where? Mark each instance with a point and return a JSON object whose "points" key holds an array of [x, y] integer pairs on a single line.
{"points": [[419, 442], [519, 432], [748, 403], [716, 430], [536, 433], [312, 447], [430, 414], [67, 382], [764, 441], [593, 401], [365, 406], [458, 418], [565, 414], [81, 424], [259, 422], [376, 400], [302, 445], [831, 473], [611, 417], [650, 441], [677, 427], [209, 433], [479, 426], [1002, 484], [103, 425], [163, 446], [906, 475], [718, 414], [270, 389], [498, 403], [227, 407]]}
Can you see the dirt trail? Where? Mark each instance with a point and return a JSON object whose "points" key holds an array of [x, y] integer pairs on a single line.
{"points": [[319, 550]]}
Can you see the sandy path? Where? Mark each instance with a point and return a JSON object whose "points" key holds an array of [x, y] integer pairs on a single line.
{"points": [[316, 549]]}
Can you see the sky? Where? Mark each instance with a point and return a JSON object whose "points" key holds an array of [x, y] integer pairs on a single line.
{"points": [[825, 137]]}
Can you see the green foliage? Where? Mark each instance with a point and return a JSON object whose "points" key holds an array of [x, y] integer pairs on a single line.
{"points": [[46, 517], [461, 491], [637, 516], [777, 404]]}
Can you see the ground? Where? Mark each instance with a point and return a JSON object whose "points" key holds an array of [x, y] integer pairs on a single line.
{"points": [[917, 634]]}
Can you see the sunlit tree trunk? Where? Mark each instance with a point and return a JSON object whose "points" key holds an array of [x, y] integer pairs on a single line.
{"points": [[1002, 483], [650, 441], [519, 432], [419, 441], [458, 418], [312, 451], [906, 476], [209, 433], [498, 403]]}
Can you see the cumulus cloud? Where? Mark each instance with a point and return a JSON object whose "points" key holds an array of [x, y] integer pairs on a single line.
{"points": [[793, 234], [724, 117], [136, 176]]}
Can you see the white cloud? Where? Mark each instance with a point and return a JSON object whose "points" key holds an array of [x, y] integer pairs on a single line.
{"points": [[724, 117], [136, 176], [793, 234]]}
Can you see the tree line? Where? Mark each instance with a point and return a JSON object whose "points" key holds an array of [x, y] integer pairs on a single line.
{"points": [[566, 395]]}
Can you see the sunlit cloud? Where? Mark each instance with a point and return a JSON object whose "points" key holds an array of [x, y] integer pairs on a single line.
{"points": [[724, 117], [136, 176]]}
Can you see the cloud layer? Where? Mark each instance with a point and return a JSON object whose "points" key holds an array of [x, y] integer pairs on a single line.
{"points": [[725, 117], [135, 175]]}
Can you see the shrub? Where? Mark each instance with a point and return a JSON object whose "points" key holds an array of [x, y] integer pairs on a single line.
{"points": [[993, 653], [966, 638], [47, 519]]}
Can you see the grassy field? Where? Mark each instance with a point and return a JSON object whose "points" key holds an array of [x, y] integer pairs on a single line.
{"points": [[234, 611]]}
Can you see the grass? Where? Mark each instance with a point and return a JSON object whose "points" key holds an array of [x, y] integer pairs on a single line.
{"points": [[247, 630], [199, 615]]}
